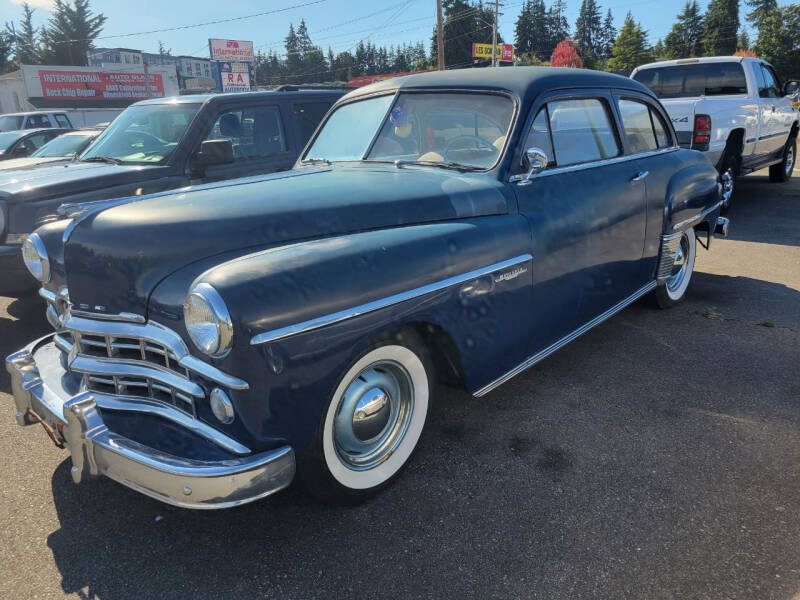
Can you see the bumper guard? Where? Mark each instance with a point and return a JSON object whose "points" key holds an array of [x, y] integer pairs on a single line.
{"points": [[76, 422]]}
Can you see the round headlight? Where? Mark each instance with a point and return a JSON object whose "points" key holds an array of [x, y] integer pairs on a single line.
{"points": [[35, 257], [207, 320]]}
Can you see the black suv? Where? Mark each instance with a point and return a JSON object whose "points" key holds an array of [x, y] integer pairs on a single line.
{"points": [[156, 145]]}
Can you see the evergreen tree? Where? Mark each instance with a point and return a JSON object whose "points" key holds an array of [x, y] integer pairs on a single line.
{"points": [[557, 26], [685, 38], [464, 23], [530, 34], [778, 41], [23, 38], [608, 35], [303, 41], [588, 29], [68, 36], [294, 58], [630, 47], [721, 25], [760, 10], [743, 41], [6, 51], [658, 50]]}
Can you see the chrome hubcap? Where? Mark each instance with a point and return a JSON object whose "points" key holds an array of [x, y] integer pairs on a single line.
{"points": [[789, 161], [679, 266], [373, 415]]}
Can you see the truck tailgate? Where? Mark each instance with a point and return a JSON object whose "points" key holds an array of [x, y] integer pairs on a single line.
{"points": [[681, 113]]}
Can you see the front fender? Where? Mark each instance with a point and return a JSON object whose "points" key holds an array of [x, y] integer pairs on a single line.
{"points": [[292, 375]]}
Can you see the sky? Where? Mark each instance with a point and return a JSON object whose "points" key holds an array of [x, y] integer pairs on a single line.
{"points": [[336, 23]]}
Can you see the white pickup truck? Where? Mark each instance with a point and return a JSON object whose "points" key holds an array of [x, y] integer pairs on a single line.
{"points": [[734, 109]]}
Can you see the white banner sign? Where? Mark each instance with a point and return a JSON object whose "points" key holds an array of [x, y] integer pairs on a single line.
{"points": [[231, 50]]}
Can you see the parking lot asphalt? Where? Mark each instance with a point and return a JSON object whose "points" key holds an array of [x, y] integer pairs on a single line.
{"points": [[655, 457]]}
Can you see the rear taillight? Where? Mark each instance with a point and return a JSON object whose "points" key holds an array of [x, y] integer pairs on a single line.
{"points": [[702, 129]]}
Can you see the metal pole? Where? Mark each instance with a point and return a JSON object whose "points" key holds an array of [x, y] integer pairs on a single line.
{"points": [[494, 34], [439, 35]]}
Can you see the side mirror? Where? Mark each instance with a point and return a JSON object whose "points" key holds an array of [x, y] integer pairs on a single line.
{"points": [[791, 87], [213, 152], [20, 152], [536, 160]]}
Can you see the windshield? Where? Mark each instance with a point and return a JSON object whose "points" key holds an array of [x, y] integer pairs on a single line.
{"points": [[6, 139], [65, 145], [143, 134], [10, 122], [465, 129]]}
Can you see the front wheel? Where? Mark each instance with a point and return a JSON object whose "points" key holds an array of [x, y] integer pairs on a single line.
{"points": [[673, 290], [372, 423], [781, 172]]}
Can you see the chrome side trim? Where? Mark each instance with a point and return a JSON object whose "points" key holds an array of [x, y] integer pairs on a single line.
{"points": [[592, 165], [697, 218], [304, 326], [542, 354], [142, 405]]}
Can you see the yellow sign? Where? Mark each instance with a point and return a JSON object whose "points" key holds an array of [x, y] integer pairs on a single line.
{"points": [[505, 52]]}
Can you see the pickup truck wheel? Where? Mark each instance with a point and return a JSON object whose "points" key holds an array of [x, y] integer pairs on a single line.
{"points": [[372, 423], [673, 290], [781, 172]]}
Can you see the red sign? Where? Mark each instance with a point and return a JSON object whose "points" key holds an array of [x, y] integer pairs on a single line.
{"points": [[99, 85], [367, 79]]}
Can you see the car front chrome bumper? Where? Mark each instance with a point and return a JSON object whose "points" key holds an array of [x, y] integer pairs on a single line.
{"points": [[76, 422]]}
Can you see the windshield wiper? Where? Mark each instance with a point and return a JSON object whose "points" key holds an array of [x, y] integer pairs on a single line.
{"points": [[103, 159], [433, 163]]}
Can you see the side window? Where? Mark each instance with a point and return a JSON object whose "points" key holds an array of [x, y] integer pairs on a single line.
{"points": [[581, 131], [662, 132], [771, 89], [639, 133], [256, 132], [308, 116], [63, 121], [539, 136], [37, 121]]}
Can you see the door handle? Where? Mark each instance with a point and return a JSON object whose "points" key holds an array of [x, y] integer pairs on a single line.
{"points": [[640, 175]]}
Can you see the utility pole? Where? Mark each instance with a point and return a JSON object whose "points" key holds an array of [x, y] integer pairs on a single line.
{"points": [[494, 34], [439, 35]]}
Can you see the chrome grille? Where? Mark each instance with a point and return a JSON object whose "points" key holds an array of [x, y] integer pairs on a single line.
{"points": [[139, 387], [128, 348]]}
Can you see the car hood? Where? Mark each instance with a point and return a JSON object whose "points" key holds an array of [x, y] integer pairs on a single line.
{"points": [[69, 178], [115, 257], [31, 162]]}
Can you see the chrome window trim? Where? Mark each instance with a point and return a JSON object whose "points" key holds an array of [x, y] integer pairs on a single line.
{"points": [[591, 165], [368, 307], [542, 354]]}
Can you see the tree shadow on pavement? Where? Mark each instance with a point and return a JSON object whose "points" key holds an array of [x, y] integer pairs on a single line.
{"points": [[25, 322]]}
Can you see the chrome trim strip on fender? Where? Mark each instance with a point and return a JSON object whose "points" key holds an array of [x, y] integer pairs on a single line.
{"points": [[542, 354], [311, 324], [100, 316], [697, 218]]}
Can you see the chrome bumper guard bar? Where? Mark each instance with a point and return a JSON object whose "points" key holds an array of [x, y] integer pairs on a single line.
{"points": [[96, 450]]}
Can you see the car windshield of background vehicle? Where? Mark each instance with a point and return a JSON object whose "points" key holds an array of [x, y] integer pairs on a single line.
{"points": [[465, 129], [689, 81], [10, 123], [143, 134], [65, 145]]}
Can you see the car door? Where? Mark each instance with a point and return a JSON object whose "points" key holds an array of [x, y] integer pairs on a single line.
{"points": [[771, 139], [586, 212], [260, 141]]}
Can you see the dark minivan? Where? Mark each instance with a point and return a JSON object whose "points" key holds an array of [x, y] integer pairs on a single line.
{"points": [[156, 145]]}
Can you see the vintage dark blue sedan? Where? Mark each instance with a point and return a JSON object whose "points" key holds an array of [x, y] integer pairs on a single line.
{"points": [[453, 226]]}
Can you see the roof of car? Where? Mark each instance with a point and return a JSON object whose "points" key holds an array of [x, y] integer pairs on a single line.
{"points": [[523, 81], [201, 98], [32, 112], [21, 133], [701, 60]]}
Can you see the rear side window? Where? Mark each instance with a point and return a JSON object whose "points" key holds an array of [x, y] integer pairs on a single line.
{"points": [[255, 132], [63, 121], [770, 88], [308, 116], [644, 129], [707, 79], [37, 121], [581, 131]]}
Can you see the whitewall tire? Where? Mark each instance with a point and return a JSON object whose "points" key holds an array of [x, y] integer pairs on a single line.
{"points": [[673, 290], [372, 423]]}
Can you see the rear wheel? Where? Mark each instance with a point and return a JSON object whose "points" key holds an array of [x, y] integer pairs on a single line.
{"points": [[673, 290], [781, 172], [372, 423]]}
